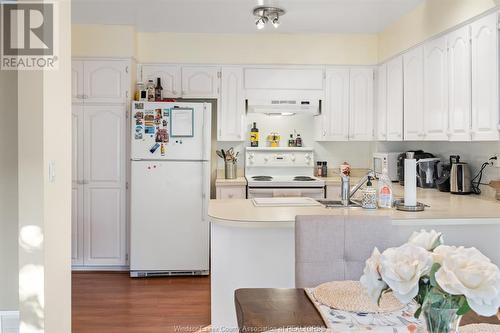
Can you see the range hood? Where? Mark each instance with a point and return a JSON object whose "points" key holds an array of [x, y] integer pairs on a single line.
{"points": [[284, 106]]}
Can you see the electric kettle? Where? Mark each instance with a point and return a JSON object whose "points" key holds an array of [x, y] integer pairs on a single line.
{"points": [[460, 181]]}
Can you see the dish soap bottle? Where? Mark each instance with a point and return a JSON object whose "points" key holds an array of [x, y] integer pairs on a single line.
{"points": [[385, 196], [369, 199], [254, 136]]}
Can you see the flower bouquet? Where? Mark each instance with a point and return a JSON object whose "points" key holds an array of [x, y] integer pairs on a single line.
{"points": [[445, 281]]}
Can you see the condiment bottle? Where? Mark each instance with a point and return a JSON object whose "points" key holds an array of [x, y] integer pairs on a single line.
{"points": [[319, 169], [291, 141], [298, 141], [254, 136], [151, 91], [158, 90], [324, 169]]}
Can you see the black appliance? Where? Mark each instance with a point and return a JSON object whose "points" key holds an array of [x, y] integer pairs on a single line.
{"points": [[443, 182], [418, 154]]}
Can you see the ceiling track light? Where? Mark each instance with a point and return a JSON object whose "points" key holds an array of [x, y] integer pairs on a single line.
{"points": [[266, 14]]}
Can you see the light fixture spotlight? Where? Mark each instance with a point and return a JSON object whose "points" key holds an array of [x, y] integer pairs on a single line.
{"points": [[265, 14]]}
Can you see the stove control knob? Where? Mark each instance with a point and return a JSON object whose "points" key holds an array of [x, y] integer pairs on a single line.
{"points": [[308, 158], [292, 158], [266, 159]]}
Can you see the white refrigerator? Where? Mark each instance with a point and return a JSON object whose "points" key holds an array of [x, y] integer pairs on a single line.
{"points": [[170, 188]]}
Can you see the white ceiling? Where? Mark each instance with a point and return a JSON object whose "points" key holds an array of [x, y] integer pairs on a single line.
{"points": [[234, 16]]}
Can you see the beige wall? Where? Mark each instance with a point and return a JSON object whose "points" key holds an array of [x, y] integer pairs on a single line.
{"points": [[123, 41], [8, 191], [428, 19]]}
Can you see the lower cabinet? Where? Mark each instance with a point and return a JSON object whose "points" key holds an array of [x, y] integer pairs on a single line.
{"points": [[231, 192], [99, 186]]}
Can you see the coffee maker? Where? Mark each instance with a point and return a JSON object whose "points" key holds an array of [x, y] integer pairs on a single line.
{"points": [[418, 155]]}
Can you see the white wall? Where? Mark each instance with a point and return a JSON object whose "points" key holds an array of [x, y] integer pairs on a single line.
{"points": [[8, 191]]}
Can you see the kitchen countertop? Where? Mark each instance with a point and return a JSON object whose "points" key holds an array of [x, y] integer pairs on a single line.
{"points": [[238, 181], [450, 209]]}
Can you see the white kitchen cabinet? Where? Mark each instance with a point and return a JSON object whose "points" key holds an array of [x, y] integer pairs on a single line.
{"points": [[231, 192], [485, 57], [459, 84], [230, 118], [200, 82], [381, 109], [77, 81], [170, 76], [106, 81], [361, 104], [77, 185], [104, 185], [334, 120], [278, 78], [395, 99], [436, 90], [414, 95]]}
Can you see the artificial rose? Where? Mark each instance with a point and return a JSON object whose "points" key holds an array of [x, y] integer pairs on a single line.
{"points": [[429, 240], [401, 268], [466, 271], [371, 279]]}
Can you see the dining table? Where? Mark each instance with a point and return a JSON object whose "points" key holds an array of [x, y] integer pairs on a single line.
{"points": [[265, 309]]}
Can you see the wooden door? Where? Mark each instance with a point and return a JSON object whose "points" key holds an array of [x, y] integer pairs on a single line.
{"points": [[414, 95], [459, 83], [361, 104], [436, 90], [170, 76], [395, 99], [232, 105], [104, 193]]}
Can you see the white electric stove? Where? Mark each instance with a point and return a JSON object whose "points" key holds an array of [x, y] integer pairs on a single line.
{"points": [[282, 172]]}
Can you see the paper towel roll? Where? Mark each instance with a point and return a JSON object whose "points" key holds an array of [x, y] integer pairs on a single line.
{"points": [[410, 182]]}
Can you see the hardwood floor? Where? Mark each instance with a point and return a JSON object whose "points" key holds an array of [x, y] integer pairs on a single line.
{"points": [[115, 303]]}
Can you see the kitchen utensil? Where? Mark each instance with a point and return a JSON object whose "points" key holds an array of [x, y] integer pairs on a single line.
{"points": [[460, 181], [219, 153], [230, 169]]}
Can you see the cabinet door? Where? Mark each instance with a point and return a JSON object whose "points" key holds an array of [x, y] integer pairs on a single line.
{"points": [[170, 76], [361, 104], [77, 81], [232, 105], [231, 192], [459, 84], [335, 116], [104, 161], [106, 81], [485, 106], [200, 82], [436, 90], [381, 118], [395, 99], [77, 119], [414, 95]]}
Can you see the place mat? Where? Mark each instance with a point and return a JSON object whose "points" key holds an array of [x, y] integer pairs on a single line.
{"points": [[351, 296], [339, 321], [480, 328]]}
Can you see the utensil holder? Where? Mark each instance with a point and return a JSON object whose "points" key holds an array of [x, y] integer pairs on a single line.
{"points": [[230, 170]]}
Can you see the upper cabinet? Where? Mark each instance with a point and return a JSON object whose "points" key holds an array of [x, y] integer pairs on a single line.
{"points": [[232, 105], [200, 82], [436, 89], [485, 104], [77, 81], [170, 76], [381, 118], [334, 120], [395, 99], [277, 78], [361, 104], [106, 81], [459, 84], [414, 95]]}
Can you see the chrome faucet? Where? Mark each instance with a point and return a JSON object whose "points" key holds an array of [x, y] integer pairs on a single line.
{"points": [[346, 193]]}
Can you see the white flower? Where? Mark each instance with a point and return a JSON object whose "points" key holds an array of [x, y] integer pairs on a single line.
{"points": [[426, 239], [402, 268], [371, 279], [466, 271]]}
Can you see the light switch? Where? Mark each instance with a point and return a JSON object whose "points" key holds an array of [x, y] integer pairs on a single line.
{"points": [[52, 172]]}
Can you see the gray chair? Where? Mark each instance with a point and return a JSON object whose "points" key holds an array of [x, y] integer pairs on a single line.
{"points": [[333, 248]]}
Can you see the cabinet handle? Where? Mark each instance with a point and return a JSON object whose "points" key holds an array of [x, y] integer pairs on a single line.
{"points": [[324, 133], [174, 92], [230, 196]]}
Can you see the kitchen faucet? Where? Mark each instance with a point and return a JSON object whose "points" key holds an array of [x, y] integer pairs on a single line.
{"points": [[346, 192]]}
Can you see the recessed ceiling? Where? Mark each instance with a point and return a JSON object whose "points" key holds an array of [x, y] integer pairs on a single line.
{"points": [[234, 16]]}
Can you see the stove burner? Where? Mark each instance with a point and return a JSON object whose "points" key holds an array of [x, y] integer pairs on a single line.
{"points": [[262, 178], [303, 179]]}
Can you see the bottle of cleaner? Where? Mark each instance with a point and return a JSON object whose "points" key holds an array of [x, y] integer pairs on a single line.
{"points": [[385, 196]]}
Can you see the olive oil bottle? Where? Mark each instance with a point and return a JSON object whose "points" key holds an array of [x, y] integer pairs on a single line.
{"points": [[254, 136]]}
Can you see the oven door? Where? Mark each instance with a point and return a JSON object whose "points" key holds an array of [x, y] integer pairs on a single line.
{"points": [[313, 192]]}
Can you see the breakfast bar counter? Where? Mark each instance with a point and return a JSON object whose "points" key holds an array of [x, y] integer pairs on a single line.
{"points": [[254, 247]]}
